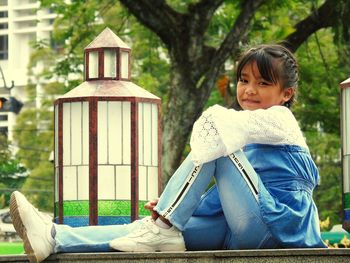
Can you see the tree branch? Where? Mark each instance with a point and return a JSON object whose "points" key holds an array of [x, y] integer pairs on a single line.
{"points": [[327, 71], [328, 14], [238, 31], [157, 16], [202, 12], [230, 44], [195, 24]]}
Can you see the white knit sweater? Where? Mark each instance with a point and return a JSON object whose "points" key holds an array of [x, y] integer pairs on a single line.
{"points": [[220, 131]]}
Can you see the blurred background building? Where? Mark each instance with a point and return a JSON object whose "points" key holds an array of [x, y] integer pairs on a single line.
{"points": [[22, 23]]}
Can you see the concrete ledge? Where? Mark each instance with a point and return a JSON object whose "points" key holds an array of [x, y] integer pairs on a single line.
{"points": [[263, 256]]}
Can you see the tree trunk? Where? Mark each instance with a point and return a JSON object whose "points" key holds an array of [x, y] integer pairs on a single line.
{"points": [[182, 110]]}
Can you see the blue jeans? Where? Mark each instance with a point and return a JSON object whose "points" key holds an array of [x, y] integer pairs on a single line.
{"points": [[238, 225]]}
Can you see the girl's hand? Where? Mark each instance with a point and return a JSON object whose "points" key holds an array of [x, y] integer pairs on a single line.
{"points": [[150, 205]]}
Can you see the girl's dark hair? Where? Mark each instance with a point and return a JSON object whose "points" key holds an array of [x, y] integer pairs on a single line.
{"points": [[275, 63]]}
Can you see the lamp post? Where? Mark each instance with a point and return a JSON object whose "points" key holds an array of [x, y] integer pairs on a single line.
{"points": [[345, 142], [107, 141], [3, 100], [9, 107], [4, 80]]}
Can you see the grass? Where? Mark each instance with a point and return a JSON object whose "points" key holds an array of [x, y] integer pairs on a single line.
{"points": [[11, 248]]}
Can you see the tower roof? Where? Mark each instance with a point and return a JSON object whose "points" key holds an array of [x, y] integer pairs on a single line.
{"points": [[109, 88], [107, 39]]}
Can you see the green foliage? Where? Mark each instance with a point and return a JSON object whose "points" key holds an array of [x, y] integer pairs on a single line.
{"points": [[34, 134], [11, 169], [272, 24], [222, 22], [12, 173], [328, 195], [318, 111], [39, 186], [318, 106], [4, 149]]}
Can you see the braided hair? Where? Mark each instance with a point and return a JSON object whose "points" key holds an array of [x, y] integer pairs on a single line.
{"points": [[276, 64]]}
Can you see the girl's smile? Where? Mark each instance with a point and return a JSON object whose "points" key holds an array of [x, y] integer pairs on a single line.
{"points": [[254, 92]]}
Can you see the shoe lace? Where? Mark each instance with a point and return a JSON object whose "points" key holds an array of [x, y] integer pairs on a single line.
{"points": [[148, 223]]}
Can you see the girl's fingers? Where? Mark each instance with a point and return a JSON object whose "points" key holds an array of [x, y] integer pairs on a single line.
{"points": [[150, 205]]}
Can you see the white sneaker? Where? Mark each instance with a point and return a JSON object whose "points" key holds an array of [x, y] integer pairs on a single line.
{"points": [[149, 238], [33, 227]]}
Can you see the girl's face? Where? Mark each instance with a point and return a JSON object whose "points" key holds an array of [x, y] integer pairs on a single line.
{"points": [[254, 92]]}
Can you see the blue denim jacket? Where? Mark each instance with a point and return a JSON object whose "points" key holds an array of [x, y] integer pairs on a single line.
{"points": [[288, 176]]}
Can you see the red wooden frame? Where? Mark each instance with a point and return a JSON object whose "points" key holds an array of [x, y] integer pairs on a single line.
{"points": [[101, 63], [134, 162], [93, 160], [60, 163]]}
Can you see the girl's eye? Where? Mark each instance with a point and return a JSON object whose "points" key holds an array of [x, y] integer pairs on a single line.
{"points": [[243, 80], [264, 83]]}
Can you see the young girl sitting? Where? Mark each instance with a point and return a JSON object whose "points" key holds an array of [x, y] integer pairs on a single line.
{"points": [[263, 171]]}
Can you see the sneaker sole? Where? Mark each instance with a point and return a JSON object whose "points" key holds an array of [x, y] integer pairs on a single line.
{"points": [[21, 230], [145, 248]]}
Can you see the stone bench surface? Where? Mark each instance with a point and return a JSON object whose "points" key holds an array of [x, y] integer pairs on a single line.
{"points": [[229, 256]]}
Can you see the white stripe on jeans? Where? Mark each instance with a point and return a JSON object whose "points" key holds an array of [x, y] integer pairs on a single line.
{"points": [[183, 190]]}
